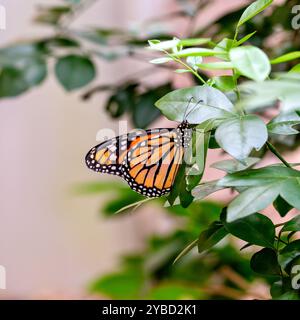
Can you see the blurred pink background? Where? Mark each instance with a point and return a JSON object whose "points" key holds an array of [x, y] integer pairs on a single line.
{"points": [[52, 241]]}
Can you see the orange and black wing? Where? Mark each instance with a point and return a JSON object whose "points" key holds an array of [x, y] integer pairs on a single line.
{"points": [[147, 160]]}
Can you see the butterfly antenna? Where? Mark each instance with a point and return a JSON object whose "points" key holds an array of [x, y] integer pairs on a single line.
{"points": [[194, 107], [186, 109]]}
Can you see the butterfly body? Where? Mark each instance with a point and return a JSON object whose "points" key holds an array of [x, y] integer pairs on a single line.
{"points": [[147, 160]]}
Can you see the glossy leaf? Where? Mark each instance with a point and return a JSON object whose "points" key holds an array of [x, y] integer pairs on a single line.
{"points": [[262, 95], [205, 189], [231, 166], [282, 206], [290, 191], [163, 45], [255, 229], [74, 72], [286, 57], [207, 103], [195, 155], [252, 200], [292, 225], [224, 83], [295, 68], [223, 65], [194, 41], [195, 52], [284, 123], [251, 62], [254, 9], [263, 187], [244, 39], [258, 177], [265, 262], [211, 236], [160, 60], [239, 135]]}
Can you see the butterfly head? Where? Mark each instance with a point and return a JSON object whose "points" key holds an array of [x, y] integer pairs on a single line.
{"points": [[184, 125]]}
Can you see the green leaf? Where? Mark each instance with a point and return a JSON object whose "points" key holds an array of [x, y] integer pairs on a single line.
{"points": [[23, 66], [205, 189], [208, 103], [239, 135], [290, 191], [231, 166], [262, 95], [160, 60], [123, 285], [295, 68], [255, 229], [195, 52], [186, 250], [179, 193], [74, 71], [224, 83], [289, 253], [163, 45], [244, 39], [286, 57], [12, 82], [182, 71], [211, 236], [282, 206], [292, 225], [283, 124], [264, 185], [195, 155], [258, 177], [265, 262], [252, 10], [194, 42], [222, 65], [222, 48], [252, 200], [251, 62]]}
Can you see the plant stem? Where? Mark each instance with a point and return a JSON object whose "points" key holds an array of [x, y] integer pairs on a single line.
{"points": [[178, 60], [194, 72], [277, 154], [280, 240]]}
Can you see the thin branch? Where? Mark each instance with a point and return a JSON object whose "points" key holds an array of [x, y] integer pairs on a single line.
{"points": [[277, 154]]}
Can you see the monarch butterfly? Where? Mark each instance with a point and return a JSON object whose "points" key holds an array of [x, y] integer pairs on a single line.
{"points": [[148, 160]]}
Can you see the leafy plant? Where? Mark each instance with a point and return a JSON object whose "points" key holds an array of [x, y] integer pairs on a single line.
{"points": [[228, 110]]}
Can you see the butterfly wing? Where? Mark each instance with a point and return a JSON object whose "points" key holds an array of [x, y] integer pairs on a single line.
{"points": [[147, 160]]}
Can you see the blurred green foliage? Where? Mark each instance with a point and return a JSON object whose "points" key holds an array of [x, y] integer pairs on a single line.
{"points": [[151, 274]]}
